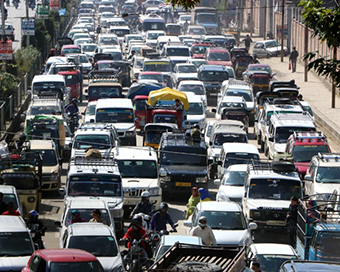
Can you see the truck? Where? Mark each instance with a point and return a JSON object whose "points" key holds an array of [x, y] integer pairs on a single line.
{"points": [[318, 229], [184, 257], [207, 17]]}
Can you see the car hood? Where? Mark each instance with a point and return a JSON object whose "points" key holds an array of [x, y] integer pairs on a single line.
{"points": [[232, 191], [267, 204], [185, 169], [109, 263], [13, 263], [187, 75], [49, 169], [214, 152], [197, 117], [250, 105], [230, 237], [280, 148], [124, 126], [139, 182], [218, 62], [325, 188]]}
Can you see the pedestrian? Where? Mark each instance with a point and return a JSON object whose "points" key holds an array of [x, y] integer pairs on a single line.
{"points": [[192, 202], [10, 210], [293, 57], [256, 267], [292, 219], [3, 205], [204, 231], [247, 41]]}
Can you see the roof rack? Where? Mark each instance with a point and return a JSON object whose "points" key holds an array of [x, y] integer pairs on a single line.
{"points": [[94, 126], [82, 161], [101, 78], [309, 135], [234, 81], [328, 156], [275, 166], [47, 98], [299, 116]]}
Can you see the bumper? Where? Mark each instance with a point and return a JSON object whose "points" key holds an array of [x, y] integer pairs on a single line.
{"points": [[269, 225], [50, 185], [128, 141], [172, 188]]}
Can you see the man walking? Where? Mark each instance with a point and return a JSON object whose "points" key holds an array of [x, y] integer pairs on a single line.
{"points": [[204, 231], [293, 57], [247, 41]]}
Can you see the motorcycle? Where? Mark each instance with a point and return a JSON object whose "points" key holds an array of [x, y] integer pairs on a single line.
{"points": [[37, 234], [157, 235], [72, 121]]}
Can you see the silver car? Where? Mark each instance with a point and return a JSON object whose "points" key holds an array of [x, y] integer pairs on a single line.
{"points": [[268, 48]]}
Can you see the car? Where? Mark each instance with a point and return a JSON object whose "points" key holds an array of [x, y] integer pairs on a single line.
{"points": [[207, 130], [152, 76], [183, 71], [89, 49], [195, 86], [84, 62], [227, 222], [197, 62], [97, 239], [218, 56], [196, 114], [10, 194], [151, 3], [229, 102], [268, 48], [90, 111], [196, 31], [152, 36], [257, 67], [55, 260]]}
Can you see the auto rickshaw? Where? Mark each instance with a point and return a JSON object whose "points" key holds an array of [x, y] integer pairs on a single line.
{"points": [[235, 52], [259, 81], [139, 102], [153, 133], [74, 82], [25, 174], [241, 64], [238, 114], [173, 30]]}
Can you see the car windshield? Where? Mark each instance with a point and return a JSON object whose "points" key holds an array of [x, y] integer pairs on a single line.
{"points": [[86, 214], [134, 38], [49, 157], [104, 92], [240, 158], [178, 52], [157, 67], [197, 89], [153, 137], [195, 109], [165, 118], [19, 181], [198, 63], [140, 105], [83, 59], [108, 41], [42, 110], [260, 68], [9, 242], [10, 198], [187, 69], [70, 50], [196, 31], [219, 56], [328, 242], [98, 185], [153, 26], [184, 18], [247, 96], [99, 246], [90, 110], [272, 263], [234, 178], [120, 32], [304, 153], [231, 105], [221, 138], [159, 77], [278, 189], [114, 115], [221, 220], [218, 76], [137, 168], [94, 140], [71, 79], [206, 18], [272, 44], [89, 48], [328, 174], [184, 155], [282, 133], [93, 266], [200, 49]]}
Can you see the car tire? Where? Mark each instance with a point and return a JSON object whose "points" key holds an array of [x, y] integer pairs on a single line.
{"points": [[268, 56], [197, 267], [258, 139], [262, 145]]}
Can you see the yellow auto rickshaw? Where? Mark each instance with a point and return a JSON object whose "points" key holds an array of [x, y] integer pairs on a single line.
{"points": [[173, 30], [153, 133]]}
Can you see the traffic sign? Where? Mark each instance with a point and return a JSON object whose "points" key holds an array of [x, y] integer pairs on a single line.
{"points": [[43, 11], [279, 31], [54, 4], [6, 51], [27, 27]]}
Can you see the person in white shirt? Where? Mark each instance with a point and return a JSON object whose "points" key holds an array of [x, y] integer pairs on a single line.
{"points": [[204, 231]]}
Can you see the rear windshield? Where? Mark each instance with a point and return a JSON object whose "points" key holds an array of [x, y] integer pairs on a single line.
{"points": [[104, 92], [184, 155]]}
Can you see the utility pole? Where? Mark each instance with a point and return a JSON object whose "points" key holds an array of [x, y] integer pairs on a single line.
{"points": [[282, 28], [265, 21], [3, 29], [306, 51], [27, 18], [251, 18], [333, 81]]}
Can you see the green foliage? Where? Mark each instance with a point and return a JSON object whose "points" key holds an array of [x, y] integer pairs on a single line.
{"points": [[25, 57], [8, 84], [186, 4], [325, 24]]}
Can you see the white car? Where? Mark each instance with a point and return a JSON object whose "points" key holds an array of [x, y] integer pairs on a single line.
{"points": [[196, 114], [184, 71], [226, 220], [229, 102], [84, 61], [195, 86], [90, 111], [89, 49], [207, 131], [152, 36]]}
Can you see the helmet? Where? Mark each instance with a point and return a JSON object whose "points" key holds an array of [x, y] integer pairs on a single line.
{"points": [[196, 126], [202, 218], [137, 220], [74, 101], [163, 205], [145, 194], [33, 213], [22, 136]]}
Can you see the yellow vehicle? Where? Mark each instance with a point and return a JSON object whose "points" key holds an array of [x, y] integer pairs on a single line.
{"points": [[173, 30], [25, 175], [153, 133]]}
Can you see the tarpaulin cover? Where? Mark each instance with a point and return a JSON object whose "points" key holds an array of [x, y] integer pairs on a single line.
{"points": [[168, 94], [142, 89]]}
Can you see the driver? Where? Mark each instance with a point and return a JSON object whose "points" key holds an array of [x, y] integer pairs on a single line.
{"points": [[156, 139]]}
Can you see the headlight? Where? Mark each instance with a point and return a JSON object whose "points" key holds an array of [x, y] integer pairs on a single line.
{"points": [[118, 268], [201, 179], [55, 176], [256, 215], [166, 178], [154, 191], [117, 213], [31, 199], [130, 133], [162, 172]]}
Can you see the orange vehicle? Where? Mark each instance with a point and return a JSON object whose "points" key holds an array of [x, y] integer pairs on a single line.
{"points": [[139, 103], [74, 81]]}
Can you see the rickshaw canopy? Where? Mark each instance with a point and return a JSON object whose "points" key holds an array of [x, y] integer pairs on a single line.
{"points": [[167, 94]]}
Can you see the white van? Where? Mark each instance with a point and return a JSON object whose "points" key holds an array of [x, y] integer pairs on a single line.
{"points": [[48, 82], [119, 112], [107, 39], [197, 110]]}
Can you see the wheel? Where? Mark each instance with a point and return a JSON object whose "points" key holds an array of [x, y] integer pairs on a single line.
{"points": [[262, 145], [268, 56], [134, 266], [197, 267], [258, 139]]}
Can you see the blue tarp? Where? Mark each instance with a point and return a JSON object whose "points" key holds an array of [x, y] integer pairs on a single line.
{"points": [[142, 89]]}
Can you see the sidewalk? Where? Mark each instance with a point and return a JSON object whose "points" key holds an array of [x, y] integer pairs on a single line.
{"points": [[316, 92]]}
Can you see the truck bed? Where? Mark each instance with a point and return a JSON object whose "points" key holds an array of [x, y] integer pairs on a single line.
{"points": [[230, 260]]}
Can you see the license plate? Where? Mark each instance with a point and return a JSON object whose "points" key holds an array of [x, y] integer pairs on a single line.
{"points": [[183, 184], [276, 223]]}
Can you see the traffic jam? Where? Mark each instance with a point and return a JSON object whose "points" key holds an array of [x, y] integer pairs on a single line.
{"points": [[155, 139]]}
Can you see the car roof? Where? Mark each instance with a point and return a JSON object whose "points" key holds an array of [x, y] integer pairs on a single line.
{"points": [[7, 189], [273, 249], [218, 206], [193, 98], [12, 223], [138, 153], [240, 147], [41, 144], [114, 103], [185, 64], [86, 203], [65, 255], [238, 167], [213, 67], [89, 229], [191, 82], [169, 240], [217, 49]]}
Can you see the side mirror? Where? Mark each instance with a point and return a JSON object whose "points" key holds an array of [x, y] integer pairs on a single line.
{"points": [[210, 143], [213, 110], [62, 191], [219, 163], [58, 224], [274, 74], [308, 177], [252, 226], [271, 139], [217, 182], [70, 145], [187, 223], [86, 91]]}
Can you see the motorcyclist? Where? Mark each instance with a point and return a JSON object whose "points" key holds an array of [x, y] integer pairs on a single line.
{"points": [[144, 206], [36, 227], [161, 218], [73, 109], [137, 232], [52, 53]]}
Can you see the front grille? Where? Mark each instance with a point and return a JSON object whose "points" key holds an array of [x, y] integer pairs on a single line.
{"points": [[183, 178], [274, 215], [46, 177], [135, 192]]}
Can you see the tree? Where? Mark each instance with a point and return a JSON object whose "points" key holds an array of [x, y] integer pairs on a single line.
{"points": [[8, 83], [325, 24], [25, 57]]}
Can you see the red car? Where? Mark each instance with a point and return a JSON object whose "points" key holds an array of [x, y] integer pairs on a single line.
{"points": [[55, 260], [70, 49], [302, 146], [198, 49], [218, 56]]}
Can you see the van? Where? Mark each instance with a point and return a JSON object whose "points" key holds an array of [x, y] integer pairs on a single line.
{"points": [[16, 245], [10, 195], [119, 112], [40, 83]]}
